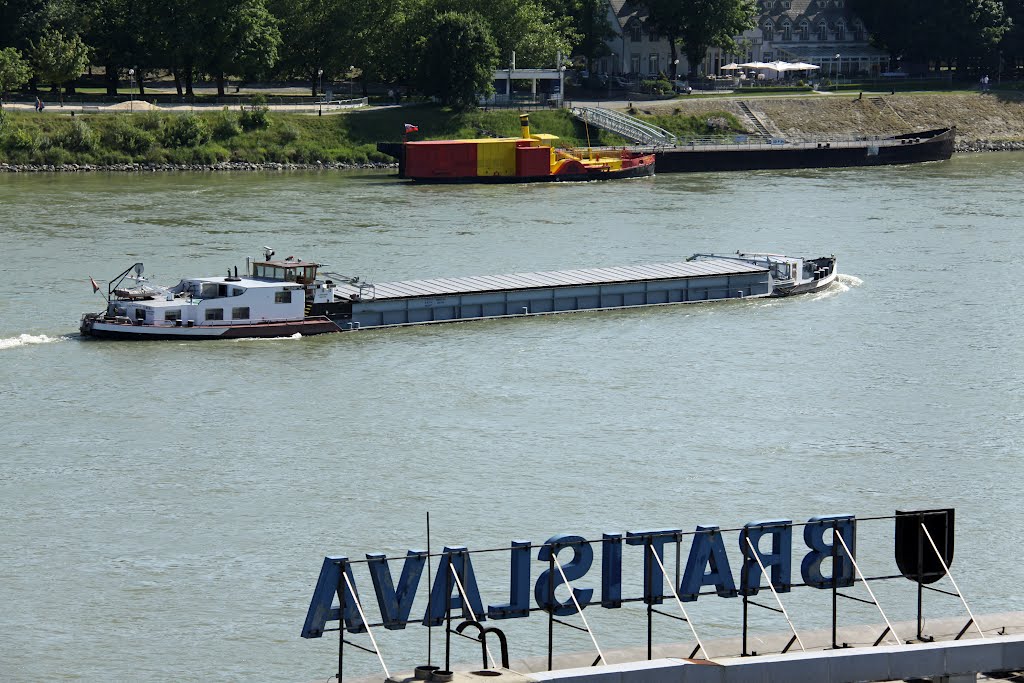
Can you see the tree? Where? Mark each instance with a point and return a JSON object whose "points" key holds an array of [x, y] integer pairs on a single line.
{"points": [[60, 58], [700, 24], [240, 37], [457, 59], [311, 39], [14, 71], [589, 21], [925, 30]]}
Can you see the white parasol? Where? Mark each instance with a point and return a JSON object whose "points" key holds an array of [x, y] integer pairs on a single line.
{"points": [[731, 66]]}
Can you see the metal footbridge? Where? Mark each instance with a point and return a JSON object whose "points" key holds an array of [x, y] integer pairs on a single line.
{"points": [[629, 127]]}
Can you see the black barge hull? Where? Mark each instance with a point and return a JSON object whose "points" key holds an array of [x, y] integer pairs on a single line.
{"points": [[911, 148]]}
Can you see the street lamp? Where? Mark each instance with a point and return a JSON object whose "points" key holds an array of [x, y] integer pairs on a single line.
{"points": [[131, 90], [319, 81], [837, 67], [561, 85], [351, 77]]}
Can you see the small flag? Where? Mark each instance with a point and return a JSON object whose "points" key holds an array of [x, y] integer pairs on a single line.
{"points": [[409, 128], [95, 287]]}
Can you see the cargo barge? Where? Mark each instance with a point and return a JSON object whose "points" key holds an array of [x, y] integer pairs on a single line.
{"points": [[530, 158], [746, 155], [280, 298], [909, 148]]}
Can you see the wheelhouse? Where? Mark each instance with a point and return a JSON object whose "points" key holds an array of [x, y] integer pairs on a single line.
{"points": [[299, 272]]}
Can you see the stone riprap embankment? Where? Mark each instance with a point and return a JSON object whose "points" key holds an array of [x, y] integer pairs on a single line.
{"points": [[224, 166], [984, 121]]}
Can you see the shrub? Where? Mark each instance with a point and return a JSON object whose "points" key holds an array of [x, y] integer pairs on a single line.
{"points": [[150, 120], [256, 115], [20, 140], [80, 138], [288, 133], [657, 87], [124, 136], [55, 156], [225, 125], [186, 130], [3, 120]]}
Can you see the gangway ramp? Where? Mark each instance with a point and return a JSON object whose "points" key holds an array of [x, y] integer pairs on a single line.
{"points": [[629, 127]]}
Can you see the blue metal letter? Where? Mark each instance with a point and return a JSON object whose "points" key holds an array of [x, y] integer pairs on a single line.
{"points": [[779, 561], [576, 568], [395, 607], [519, 587], [441, 597], [814, 537], [707, 549], [654, 579], [321, 607], [611, 571]]}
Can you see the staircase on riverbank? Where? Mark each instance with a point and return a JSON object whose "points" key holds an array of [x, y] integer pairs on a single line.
{"points": [[754, 120]]}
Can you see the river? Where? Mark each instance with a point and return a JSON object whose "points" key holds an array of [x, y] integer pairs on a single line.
{"points": [[166, 506]]}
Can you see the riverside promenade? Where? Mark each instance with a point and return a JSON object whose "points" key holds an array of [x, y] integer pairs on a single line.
{"points": [[993, 650]]}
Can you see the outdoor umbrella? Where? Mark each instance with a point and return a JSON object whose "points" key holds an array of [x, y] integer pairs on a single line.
{"points": [[803, 66], [754, 65], [731, 66]]}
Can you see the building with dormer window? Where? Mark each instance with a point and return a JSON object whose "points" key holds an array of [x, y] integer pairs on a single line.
{"points": [[820, 32]]}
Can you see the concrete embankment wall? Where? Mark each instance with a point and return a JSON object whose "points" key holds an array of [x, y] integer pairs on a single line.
{"points": [[983, 120]]}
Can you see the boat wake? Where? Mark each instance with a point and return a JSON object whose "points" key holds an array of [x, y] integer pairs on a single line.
{"points": [[297, 335], [843, 283], [28, 339]]}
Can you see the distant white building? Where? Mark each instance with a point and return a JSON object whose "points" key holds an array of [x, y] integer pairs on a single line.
{"points": [[820, 32]]}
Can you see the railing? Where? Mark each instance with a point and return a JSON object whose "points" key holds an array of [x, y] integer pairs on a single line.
{"points": [[624, 125]]}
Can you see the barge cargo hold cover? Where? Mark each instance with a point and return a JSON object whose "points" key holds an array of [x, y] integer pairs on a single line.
{"points": [[417, 302]]}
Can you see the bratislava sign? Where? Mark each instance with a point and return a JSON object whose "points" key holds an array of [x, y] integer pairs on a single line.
{"points": [[707, 565]]}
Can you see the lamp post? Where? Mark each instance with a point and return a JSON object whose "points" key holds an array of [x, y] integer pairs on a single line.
{"points": [[131, 90], [561, 85], [836, 81], [351, 77], [675, 69], [319, 81]]}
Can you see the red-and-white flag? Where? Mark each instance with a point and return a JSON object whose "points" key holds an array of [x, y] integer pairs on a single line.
{"points": [[409, 128], [95, 287]]}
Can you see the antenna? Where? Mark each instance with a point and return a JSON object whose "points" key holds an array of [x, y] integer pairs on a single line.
{"points": [[267, 253]]}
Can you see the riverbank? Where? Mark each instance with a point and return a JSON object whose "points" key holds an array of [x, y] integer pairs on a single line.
{"points": [[984, 121], [262, 139]]}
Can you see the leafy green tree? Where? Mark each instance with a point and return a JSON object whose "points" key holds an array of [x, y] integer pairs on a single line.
{"points": [[935, 30], [457, 59], [589, 22], [700, 24], [527, 27], [311, 39], [14, 71], [240, 37], [60, 58]]}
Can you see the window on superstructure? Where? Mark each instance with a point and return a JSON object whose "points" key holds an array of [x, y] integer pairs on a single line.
{"points": [[172, 314], [140, 313], [840, 30], [240, 313], [284, 297], [222, 290], [214, 313], [208, 290], [237, 291]]}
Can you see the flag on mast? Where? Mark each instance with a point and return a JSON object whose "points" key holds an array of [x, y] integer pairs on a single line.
{"points": [[409, 128], [95, 287]]}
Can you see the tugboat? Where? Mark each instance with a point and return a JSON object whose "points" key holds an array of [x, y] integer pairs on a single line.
{"points": [[532, 157], [285, 297], [789, 275]]}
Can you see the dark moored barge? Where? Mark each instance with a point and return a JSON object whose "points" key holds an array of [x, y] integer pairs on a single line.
{"points": [[908, 148]]}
